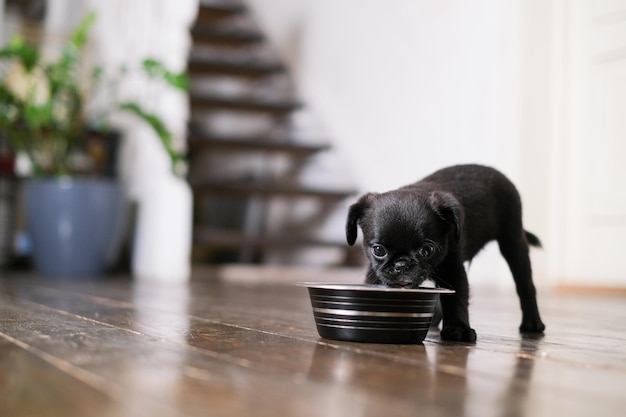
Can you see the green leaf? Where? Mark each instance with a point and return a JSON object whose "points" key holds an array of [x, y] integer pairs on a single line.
{"points": [[151, 119], [15, 44], [6, 96], [156, 69], [18, 48], [159, 127], [63, 72], [79, 37]]}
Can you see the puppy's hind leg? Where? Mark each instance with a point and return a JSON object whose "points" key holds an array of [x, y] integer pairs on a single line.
{"points": [[514, 249]]}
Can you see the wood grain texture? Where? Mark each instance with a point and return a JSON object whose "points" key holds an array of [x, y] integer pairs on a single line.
{"points": [[117, 348]]}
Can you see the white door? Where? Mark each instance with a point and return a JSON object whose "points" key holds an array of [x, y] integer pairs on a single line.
{"points": [[589, 155]]}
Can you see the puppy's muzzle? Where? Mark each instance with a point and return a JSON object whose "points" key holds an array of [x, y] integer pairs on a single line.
{"points": [[401, 273], [401, 267]]}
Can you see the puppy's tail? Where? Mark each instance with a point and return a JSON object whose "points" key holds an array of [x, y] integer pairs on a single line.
{"points": [[532, 239]]}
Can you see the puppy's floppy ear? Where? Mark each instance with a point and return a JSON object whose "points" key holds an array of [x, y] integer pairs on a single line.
{"points": [[355, 213], [450, 210]]}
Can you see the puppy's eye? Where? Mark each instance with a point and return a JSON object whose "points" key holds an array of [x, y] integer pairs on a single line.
{"points": [[379, 251], [427, 250]]}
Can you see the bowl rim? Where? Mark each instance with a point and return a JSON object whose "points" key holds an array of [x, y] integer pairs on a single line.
{"points": [[371, 288]]}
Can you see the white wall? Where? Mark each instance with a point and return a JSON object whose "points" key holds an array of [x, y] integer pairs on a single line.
{"points": [[420, 84], [406, 87], [532, 87]]}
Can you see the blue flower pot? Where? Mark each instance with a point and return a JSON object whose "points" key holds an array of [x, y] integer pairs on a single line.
{"points": [[76, 225]]}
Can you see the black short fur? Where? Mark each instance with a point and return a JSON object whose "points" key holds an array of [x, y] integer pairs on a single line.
{"points": [[427, 230]]}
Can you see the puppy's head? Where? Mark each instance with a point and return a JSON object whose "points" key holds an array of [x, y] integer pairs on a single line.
{"points": [[406, 234]]}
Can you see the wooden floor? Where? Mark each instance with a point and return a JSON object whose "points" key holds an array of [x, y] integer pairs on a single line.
{"points": [[210, 348]]}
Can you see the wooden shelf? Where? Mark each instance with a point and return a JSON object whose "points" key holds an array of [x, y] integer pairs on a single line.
{"points": [[213, 12], [198, 142], [204, 34], [282, 107], [199, 67]]}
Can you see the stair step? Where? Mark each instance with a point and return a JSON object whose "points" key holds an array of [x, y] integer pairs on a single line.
{"points": [[200, 66], [210, 12], [246, 189], [278, 107], [208, 35], [199, 142], [212, 237], [226, 44]]}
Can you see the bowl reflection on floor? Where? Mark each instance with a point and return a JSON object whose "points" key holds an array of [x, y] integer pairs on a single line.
{"points": [[371, 313]]}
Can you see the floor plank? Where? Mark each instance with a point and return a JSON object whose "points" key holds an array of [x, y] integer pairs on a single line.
{"points": [[54, 394], [212, 348]]}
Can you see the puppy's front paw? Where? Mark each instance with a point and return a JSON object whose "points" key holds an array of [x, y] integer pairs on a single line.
{"points": [[532, 326], [457, 333]]}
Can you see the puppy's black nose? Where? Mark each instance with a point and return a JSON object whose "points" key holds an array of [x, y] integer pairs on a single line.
{"points": [[401, 266]]}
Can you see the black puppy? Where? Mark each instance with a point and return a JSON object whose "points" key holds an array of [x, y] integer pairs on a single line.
{"points": [[422, 233]]}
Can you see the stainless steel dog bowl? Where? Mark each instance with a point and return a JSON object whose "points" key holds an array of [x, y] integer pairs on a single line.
{"points": [[372, 313]]}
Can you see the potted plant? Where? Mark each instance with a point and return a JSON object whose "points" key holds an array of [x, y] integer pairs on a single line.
{"points": [[75, 214]]}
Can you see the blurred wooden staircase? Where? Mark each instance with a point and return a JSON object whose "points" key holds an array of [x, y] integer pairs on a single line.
{"points": [[249, 147]]}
